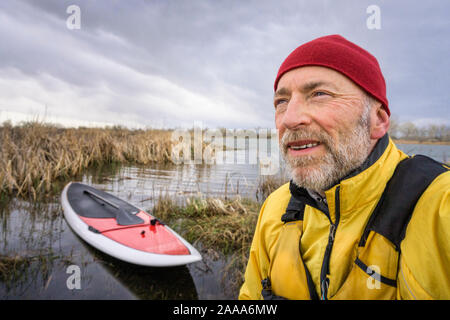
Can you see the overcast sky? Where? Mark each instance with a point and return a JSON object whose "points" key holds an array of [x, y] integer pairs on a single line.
{"points": [[170, 63]]}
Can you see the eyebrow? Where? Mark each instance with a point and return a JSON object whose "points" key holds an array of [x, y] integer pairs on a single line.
{"points": [[307, 87]]}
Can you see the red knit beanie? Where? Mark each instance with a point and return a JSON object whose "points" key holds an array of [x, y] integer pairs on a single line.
{"points": [[338, 53]]}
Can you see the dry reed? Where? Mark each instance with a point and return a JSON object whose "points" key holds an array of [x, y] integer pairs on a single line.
{"points": [[10, 267], [226, 226], [268, 184], [33, 156]]}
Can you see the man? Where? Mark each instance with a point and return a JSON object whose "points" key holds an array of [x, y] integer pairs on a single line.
{"points": [[359, 218]]}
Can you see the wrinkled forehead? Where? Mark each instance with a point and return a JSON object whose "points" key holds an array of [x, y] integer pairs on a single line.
{"points": [[308, 78]]}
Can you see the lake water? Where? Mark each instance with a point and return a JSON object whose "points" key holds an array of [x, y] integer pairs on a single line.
{"points": [[439, 153], [45, 246]]}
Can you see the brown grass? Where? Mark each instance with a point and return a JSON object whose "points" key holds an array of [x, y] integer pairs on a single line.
{"points": [[227, 225], [268, 184], [33, 156], [224, 226]]}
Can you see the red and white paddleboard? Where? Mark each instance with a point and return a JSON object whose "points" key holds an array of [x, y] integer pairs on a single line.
{"points": [[122, 230]]}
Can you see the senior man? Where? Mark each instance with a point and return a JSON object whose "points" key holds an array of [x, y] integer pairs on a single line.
{"points": [[359, 219]]}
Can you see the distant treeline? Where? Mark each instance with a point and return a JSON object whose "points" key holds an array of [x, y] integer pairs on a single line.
{"points": [[410, 131]]}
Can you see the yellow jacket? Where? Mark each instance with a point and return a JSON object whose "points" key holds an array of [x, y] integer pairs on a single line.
{"points": [[360, 263]]}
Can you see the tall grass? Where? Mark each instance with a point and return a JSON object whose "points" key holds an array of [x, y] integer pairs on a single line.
{"points": [[33, 156], [224, 224]]}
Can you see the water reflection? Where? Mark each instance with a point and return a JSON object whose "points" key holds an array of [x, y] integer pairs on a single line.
{"points": [[143, 185], [146, 282], [37, 246]]}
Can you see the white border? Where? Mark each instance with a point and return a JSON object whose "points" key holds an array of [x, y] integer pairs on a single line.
{"points": [[121, 251]]}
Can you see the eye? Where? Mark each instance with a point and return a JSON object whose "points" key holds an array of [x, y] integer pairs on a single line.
{"points": [[279, 102], [319, 94]]}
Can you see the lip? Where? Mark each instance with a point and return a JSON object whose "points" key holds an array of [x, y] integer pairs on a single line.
{"points": [[301, 142], [300, 152]]}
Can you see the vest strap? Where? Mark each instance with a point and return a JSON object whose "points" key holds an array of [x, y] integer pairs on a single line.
{"points": [[393, 212], [266, 291], [294, 211], [375, 275]]}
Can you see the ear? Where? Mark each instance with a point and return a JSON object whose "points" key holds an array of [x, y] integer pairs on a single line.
{"points": [[379, 123]]}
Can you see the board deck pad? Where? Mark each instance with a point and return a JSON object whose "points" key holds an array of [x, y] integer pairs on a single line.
{"points": [[146, 236], [86, 206]]}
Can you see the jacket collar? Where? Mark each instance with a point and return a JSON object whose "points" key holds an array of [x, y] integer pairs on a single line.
{"points": [[302, 195], [377, 152]]}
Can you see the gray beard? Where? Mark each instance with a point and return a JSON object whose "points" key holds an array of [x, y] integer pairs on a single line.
{"points": [[340, 159]]}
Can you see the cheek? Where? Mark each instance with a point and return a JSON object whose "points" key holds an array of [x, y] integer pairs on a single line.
{"points": [[329, 123], [337, 118]]}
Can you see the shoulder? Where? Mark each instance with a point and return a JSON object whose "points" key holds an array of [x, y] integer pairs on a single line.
{"points": [[426, 247], [269, 220], [276, 204], [433, 208]]}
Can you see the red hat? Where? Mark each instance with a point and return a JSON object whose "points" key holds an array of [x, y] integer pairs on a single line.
{"points": [[338, 53]]}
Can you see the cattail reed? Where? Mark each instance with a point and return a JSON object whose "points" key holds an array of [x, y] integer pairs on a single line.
{"points": [[33, 156]]}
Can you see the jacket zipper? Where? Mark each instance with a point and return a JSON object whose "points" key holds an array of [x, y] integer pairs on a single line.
{"points": [[325, 271]]}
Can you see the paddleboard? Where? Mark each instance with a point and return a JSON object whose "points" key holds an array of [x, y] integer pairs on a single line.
{"points": [[122, 230]]}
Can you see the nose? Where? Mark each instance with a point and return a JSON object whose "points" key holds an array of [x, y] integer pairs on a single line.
{"points": [[296, 115]]}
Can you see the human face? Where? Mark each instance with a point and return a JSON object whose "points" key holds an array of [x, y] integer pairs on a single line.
{"points": [[325, 111]]}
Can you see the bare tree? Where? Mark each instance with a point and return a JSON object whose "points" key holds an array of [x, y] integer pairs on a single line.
{"points": [[394, 127], [409, 130]]}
